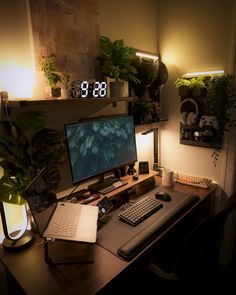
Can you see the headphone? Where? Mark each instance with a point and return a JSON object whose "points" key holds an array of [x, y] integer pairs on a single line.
{"points": [[188, 118]]}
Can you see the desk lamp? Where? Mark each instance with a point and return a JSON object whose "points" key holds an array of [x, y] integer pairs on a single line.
{"points": [[156, 167], [17, 239]]}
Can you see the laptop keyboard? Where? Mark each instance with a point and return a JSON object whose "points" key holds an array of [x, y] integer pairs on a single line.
{"points": [[64, 222]]}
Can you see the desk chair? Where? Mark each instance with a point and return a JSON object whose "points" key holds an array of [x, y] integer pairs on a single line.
{"points": [[197, 261]]}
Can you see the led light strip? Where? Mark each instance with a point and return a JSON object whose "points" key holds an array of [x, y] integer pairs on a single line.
{"points": [[206, 73], [141, 54]]}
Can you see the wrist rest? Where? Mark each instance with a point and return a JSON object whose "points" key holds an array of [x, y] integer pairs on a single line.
{"points": [[137, 243]]}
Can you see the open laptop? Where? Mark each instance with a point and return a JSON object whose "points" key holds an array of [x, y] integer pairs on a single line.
{"points": [[49, 214]]}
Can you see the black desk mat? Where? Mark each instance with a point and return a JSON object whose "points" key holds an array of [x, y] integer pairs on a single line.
{"points": [[115, 232]]}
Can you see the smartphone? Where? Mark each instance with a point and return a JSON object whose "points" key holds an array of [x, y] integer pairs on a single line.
{"points": [[104, 206]]}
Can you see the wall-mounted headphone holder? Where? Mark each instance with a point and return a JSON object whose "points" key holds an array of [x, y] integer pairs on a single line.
{"points": [[196, 126]]}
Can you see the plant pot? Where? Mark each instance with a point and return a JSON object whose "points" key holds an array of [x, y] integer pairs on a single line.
{"points": [[117, 89], [53, 92], [56, 92], [65, 93]]}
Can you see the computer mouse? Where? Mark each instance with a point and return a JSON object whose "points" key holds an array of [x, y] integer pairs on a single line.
{"points": [[163, 196]]}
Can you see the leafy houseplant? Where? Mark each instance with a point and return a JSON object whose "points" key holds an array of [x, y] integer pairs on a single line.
{"points": [[191, 86], [22, 156], [220, 101], [52, 75], [115, 61]]}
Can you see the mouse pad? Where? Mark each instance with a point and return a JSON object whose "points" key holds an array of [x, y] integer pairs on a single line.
{"points": [[115, 233]]}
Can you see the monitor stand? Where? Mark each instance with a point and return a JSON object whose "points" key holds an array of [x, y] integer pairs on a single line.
{"points": [[106, 185]]}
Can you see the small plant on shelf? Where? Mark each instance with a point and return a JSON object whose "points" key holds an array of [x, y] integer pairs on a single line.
{"points": [[52, 75]]}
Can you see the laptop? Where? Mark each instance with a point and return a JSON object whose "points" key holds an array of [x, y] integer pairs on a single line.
{"points": [[60, 220]]}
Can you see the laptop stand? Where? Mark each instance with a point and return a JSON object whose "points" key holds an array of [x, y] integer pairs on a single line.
{"points": [[64, 252]]}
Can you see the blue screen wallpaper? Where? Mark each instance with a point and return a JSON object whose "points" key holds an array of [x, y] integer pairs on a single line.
{"points": [[100, 146]]}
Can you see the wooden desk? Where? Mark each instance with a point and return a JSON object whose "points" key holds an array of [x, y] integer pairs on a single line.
{"points": [[36, 277]]}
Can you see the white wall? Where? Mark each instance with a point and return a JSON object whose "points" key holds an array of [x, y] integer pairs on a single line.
{"points": [[191, 36]]}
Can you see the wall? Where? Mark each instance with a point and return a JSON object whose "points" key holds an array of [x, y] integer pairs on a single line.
{"points": [[192, 39], [191, 36], [135, 21]]}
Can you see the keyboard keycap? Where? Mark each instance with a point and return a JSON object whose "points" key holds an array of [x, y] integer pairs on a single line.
{"points": [[140, 210]]}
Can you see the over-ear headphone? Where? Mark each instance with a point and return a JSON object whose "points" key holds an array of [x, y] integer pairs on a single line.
{"points": [[188, 117]]}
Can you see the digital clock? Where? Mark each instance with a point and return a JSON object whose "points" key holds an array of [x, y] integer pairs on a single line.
{"points": [[84, 89]]}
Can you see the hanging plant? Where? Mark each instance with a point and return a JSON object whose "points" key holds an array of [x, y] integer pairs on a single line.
{"points": [[220, 101]]}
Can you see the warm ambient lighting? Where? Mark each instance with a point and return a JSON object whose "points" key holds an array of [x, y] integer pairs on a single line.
{"points": [[17, 80], [147, 55], [205, 73]]}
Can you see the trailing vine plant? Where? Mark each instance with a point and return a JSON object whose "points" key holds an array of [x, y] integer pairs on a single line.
{"points": [[220, 101]]}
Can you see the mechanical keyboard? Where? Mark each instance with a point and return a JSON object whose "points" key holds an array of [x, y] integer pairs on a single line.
{"points": [[148, 234], [140, 210], [193, 180]]}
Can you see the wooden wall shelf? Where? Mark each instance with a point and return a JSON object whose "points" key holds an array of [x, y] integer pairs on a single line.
{"points": [[72, 101]]}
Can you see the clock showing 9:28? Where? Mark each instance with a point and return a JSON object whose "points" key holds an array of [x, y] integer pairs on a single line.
{"points": [[84, 89]]}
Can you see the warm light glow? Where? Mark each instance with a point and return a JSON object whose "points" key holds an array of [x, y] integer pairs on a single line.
{"points": [[16, 217], [17, 80], [146, 55], [205, 73], [145, 147]]}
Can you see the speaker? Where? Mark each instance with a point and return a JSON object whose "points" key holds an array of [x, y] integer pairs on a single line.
{"points": [[143, 167], [188, 117]]}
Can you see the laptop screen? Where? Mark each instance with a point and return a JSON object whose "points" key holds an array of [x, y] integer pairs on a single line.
{"points": [[41, 200]]}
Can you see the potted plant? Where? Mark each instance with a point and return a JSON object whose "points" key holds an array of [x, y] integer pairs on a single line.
{"points": [[194, 86], [32, 147], [115, 62], [65, 90], [183, 85], [52, 75]]}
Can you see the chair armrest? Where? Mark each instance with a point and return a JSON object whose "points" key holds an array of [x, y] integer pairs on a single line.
{"points": [[154, 268]]}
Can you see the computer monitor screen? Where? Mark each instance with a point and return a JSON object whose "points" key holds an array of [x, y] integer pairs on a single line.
{"points": [[100, 145]]}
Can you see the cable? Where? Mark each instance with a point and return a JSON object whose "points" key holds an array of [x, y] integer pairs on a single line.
{"points": [[66, 198], [13, 127]]}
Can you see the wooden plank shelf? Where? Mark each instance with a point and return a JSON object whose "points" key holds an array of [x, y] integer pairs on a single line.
{"points": [[28, 103]]}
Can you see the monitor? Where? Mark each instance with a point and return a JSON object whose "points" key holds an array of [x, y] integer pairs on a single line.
{"points": [[100, 145]]}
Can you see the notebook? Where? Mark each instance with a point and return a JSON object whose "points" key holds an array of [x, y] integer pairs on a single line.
{"points": [[60, 220]]}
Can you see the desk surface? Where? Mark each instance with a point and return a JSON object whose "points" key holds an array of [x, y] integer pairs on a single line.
{"points": [[37, 277]]}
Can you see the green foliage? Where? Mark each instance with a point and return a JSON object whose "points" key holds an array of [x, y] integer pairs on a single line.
{"points": [[65, 79], [220, 101], [182, 82], [190, 82], [115, 60], [142, 109], [50, 70], [23, 156]]}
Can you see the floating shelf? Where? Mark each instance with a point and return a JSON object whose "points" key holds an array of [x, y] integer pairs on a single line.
{"points": [[28, 103]]}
